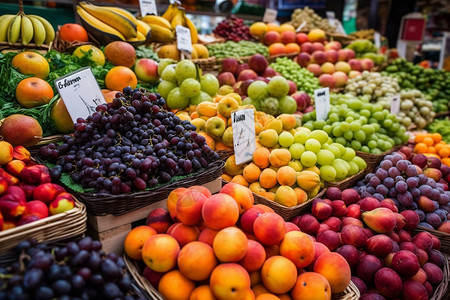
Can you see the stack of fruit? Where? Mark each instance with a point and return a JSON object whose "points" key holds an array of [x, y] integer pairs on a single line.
{"points": [[366, 49], [356, 123], [236, 49], [233, 29], [281, 40], [311, 20], [130, 144], [441, 126], [260, 257], [386, 259], [26, 191]]}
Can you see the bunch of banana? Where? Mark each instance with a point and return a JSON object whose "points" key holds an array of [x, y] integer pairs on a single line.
{"points": [[108, 23], [176, 16], [25, 28], [162, 31]]}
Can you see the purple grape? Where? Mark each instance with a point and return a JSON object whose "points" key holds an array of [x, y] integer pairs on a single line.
{"points": [[415, 192], [368, 176], [370, 189], [378, 196], [435, 195], [405, 199], [422, 179], [383, 190], [388, 157], [381, 173], [421, 214], [386, 164], [402, 165], [401, 187], [396, 157], [389, 182], [443, 199], [440, 186], [375, 181], [431, 182], [411, 171], [426, 225], [412, 182], [442, 213], [393, 192], [425, 190], [399, 178], [393, 172], [433, 219]]}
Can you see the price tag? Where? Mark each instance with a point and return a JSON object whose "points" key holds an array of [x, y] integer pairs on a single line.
{"points": [[270, 15], [299, 28], [244, 139], [80, 92], [322, 103], [183, 38], [377, 39], [331, 17], [148, 7], [395, 104]]}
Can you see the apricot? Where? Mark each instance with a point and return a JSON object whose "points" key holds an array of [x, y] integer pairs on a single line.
{"points": [[286, 176], [269, 228], [196, 261], [335, 269], [242, 196], [250, 295], [135, 240], [268, 178], [220, 211], [231, 168], [202, 292], [279, 157], [256, 188], [261, 157], [189, 207], [251, 172], [279, 274], [268, 195], [160, 252], [184, 234], [285, 195], [6, 152], [265, 208], [310, 285], [255, 278], [226, 177], [230, 244], [229, 281], [298, 247], [207, 235], [184, 286], [302, 196], [254, 257], [267, 296], [239, 179], [259, 289], [172, 200]]}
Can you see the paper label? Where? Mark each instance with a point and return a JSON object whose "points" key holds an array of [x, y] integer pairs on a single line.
{"points": [[322, 103], [183, 38], [148, 7], [331, 17], [377, 39], [299, 28], [395, 104], [244, 139], [270, 15], [80, 92]]}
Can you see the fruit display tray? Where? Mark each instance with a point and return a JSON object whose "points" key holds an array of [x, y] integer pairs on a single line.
{"points": [[69, 224]]}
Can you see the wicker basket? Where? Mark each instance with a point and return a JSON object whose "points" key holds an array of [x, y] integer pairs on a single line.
{"points": [[273, 58], [442, 291], [350, 181], [103, 204], [372, 160], [442, 236], [224, 154], [65, 225], [6, 47], [64, 46], [350, 293], [206, 64]]}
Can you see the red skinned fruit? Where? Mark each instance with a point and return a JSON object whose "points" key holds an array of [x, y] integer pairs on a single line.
{"points": [[368, 267], [362, 287], [369, 203], [423, 241], [353, 235], [21, 153], [434, 273], [350, 253], [350, 196], [320, 209], [30, 175], [333, 193], [159, 219], [405, 263], [14, 167], [63, 202], [388, 283], [3, 185], [47, 192], [339, 208], [37, 208], [28, 219], [334, 223], [379, 245], [414, 290], [10, 180], [354, 211], [380, 220]]}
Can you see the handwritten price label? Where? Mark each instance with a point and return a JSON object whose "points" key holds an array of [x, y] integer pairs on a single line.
{"points": [[148, 7], [244, 138], [322, 103], [184, 42], [270, 15], [395, 104]]}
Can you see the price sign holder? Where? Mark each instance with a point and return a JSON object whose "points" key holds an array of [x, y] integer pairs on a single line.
{"points": [[148, 7], [395, 104], [377, 39], [270, 15], [80, 92], [244, 138], [299, 28], [184, 42], [322, 103]]}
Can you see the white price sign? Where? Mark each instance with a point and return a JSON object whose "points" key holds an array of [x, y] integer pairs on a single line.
{"points": [[244, 138], [395, 104], [322, 103], [299, 28], [377, 39], [184, 42], [148, 7], [80, 92], [270, 15], [331, 17]]}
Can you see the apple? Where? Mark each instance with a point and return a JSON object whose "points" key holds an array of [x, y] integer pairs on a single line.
{"points": [[146, 70], [215, 127], [303, 59], [301, 38], [31, 63], [226, 106]]}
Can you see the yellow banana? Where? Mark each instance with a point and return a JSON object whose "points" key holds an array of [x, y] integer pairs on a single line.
{"points": [[4, 22], [142, 27], [123, 12], [161, 34], [39, 31], [178, 20], [122, 24], [193, 30], [170, 12], [14, 29], [26, 31], [49, 30], [93, 24], [139, 38], [157, 20]]}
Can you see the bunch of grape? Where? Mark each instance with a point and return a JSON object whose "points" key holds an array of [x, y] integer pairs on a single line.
{"points": [[303, 78], [372, 85], [236, 49], [233, 29], [129, 144], [78, 270]]}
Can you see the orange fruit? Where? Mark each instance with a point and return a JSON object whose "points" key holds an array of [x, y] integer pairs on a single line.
{"points": [[444, 152], [71, 32], [428, 141], [292, 48], [420, 148], [437, 137], [431, 149], [120, 77], [33, 91], [419, 137], [446, 161], [136, 239]]}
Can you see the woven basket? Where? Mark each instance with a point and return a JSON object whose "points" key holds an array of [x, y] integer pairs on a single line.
{"points": [[372, 160], [273, 58], [350, 181], [350, 293], [65, 225], [442, 236], [104, 204], [206, 64], [442, 291], [5, 47], [64, 46], [224, 154]]}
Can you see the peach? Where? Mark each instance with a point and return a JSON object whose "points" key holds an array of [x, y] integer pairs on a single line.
{"points": [[36, 207], [334, 223], [333, 45], [271, 37], [301, 38], [350, 253], [307, 47], [229, 64], [291, 227], [315, 69], [316, 35], [303, 59], [326, 80], [310, 285], [335, 269], [330, 239], [184, 286], [277, 49], [269, 228], [160, 252], [331, 56], [340, 78], [421, 276], [302, 196], [249, 217], [63, 202], [379, 245], [265, 208], [367, 64], [307, 223], [292, 48], [12, 203], [423, 241], [414, 290], [172, 200], [388, 283], [242, 195], [318, 57], [267, 296], [14, 167], [184, 234], [220, 211], [207, 235], [135, 240], [354, 211], [226, 78], [205, 191], [230, 244], [353, 74], [202, 292], [47, 192], [254, 258], [268, 178], [278, 274], [285, 195], [261, 157], [355, 64], [229, 281], [255, 278], [328, 68], [351, 221], [354, 235], [319, 249], [251, 172], [298, 247], [246, 75], [159, 219], [343, 67], [288, 37], [196, 261]]}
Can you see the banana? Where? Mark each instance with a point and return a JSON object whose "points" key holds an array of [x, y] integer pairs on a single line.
{"points": [[14, 29], [178, 20], [39, 31], [49, 31], [170, 12], [142, 27], [139, 38], [193, 30], [122, 24], [27, 30], [161, 34], [93, 24], [4, 22], [157, 20], [123, 12]]}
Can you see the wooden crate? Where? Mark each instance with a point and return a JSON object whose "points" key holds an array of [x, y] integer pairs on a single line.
{"points": [[111, 230]]}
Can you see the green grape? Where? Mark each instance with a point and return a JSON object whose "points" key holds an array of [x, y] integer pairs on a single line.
{"points": [[341, 140], [285, 139], [349, 119], [312, 145], [308, 159], [327, 128], [296, 150], [348, 135], [333, 117], [368, 129], [360, 162], [345, 126], [319, 135], [379, 116], [372, 144], [319, 124], [328, 173], [337, 131], [365, 113], [365, 149], [335, 150], [341, 170], [209, 84], [325, 157], [190, 87], [340, 147], [353, 168], [349, 154], [363, 120], [301, 137], [356, 145], [375, 151], [355, 126]]}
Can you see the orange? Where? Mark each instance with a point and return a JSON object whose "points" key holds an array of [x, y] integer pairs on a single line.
{"points": [[33, 91], [273, 27], [277, 48], [444, 152], [446, 161], [438, 147], [420, 148], [437, 137], [71, 32], [183, 286], [419, 137], [428, 141], [431, 149], [120, 77], [292, 48]]}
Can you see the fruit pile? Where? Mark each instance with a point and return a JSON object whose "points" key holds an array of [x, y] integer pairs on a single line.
{"points": [[279, 39], [233, 29], [236, 49], [386, 259], [372, 85], [26, 191], [366, 49], [413, 184], [303, 78], [183, 85], [311, 19], [130, 144], [432, 145], [358, 124], [76, 270], [263, 254], [441, 126]]}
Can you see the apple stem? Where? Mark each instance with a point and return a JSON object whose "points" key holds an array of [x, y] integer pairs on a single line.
{"points": [[21, 6]]}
